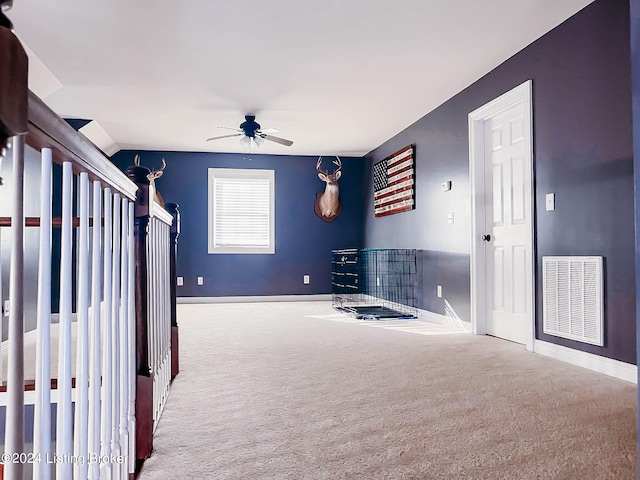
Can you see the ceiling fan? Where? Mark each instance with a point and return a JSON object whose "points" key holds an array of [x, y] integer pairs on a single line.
{"points": [[251, 130]]}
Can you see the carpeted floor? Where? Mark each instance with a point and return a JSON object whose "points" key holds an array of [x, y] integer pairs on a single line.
{"points": [[289, 391]]}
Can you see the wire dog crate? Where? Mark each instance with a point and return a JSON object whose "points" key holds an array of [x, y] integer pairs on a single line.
{"points": [[380, 283]]}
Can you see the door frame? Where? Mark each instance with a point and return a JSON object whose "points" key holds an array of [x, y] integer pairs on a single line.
{"points": [[521, 94]]}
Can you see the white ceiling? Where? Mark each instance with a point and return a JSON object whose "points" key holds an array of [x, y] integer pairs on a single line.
{"points": [[335, 76]]}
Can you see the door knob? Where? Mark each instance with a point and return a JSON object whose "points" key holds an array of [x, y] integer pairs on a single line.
{"points": [[486, 238]]}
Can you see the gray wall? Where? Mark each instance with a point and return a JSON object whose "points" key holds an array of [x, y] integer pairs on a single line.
{"points": [[582, 153], [635, 62]]}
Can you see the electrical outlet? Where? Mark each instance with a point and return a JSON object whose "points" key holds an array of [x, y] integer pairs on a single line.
{"points": [[6, 308], [439, 291], [450, 217], [200, 280], [306, 280], [180, 281]]}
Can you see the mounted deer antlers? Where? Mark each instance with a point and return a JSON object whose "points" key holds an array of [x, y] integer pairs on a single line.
{"points": [[153, 176], [328, 206]]}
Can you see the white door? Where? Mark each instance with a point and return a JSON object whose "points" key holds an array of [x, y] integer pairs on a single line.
{"points": [[506, 232], [502, 253]]}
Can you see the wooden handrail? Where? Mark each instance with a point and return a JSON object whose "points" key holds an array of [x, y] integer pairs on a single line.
{"points": [[35, 222], [48, 130], [30, 385], [157, 211]]}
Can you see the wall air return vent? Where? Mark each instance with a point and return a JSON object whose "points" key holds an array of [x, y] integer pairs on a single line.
{"points": [[572, 298]]}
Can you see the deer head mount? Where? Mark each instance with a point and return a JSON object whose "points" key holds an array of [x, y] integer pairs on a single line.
{"points": [[153, 176], [328, 206]]}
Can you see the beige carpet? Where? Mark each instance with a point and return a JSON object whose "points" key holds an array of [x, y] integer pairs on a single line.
{"points": [[284, 391]]}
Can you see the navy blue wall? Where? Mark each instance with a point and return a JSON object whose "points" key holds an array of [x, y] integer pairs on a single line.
{"points": [[303, 241], [582, 153]]}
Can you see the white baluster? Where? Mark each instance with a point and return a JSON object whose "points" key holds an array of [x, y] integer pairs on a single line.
{"points": [[166, 296], [161, 311], [131, 342], [81, 433], [161, 316], [151, 281], [106, 418], [64, 445], [115, 326], [154, 320], [167, 289], [95, 356], [14, 433], [166, 303], [42, 415], [160, 319], [3, 154], [159, 268], [123, 373]]}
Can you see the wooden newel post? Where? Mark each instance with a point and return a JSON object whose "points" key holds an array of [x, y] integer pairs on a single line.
{"points": [[14, 93], [144, 374], [174, 210]]}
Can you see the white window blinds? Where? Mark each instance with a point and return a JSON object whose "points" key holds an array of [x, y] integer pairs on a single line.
{"points": [[241, 211]]}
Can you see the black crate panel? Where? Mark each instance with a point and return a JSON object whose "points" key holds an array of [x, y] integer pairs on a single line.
{"points": [[381, 280]]}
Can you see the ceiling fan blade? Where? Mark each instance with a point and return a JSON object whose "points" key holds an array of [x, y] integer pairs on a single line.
{"points": [[230, 128], [269, 130], [224, 136], [281, 141]]}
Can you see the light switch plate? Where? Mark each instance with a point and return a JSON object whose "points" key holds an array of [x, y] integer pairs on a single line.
{"points": [[306, 280], [550, 201], [200, 281], [180, 281]]}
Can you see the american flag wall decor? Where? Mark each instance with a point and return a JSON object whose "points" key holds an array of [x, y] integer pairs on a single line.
{"points": [[394, 183]]}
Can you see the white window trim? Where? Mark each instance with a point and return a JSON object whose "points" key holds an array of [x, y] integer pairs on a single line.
{"points": [[241, 173]]}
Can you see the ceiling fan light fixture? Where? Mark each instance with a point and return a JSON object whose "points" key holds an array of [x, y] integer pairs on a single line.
{"points": [[245, 141], [251, 130]]}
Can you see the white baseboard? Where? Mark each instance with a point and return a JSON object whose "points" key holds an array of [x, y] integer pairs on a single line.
{"points": [[608, 366], [432, 317], [444, 320], [253, 299]]}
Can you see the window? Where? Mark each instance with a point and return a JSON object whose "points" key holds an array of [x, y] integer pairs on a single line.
{"points": [[241, 211]]}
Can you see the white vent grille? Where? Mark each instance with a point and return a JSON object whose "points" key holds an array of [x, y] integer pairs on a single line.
{"points": [[572, 298]]}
